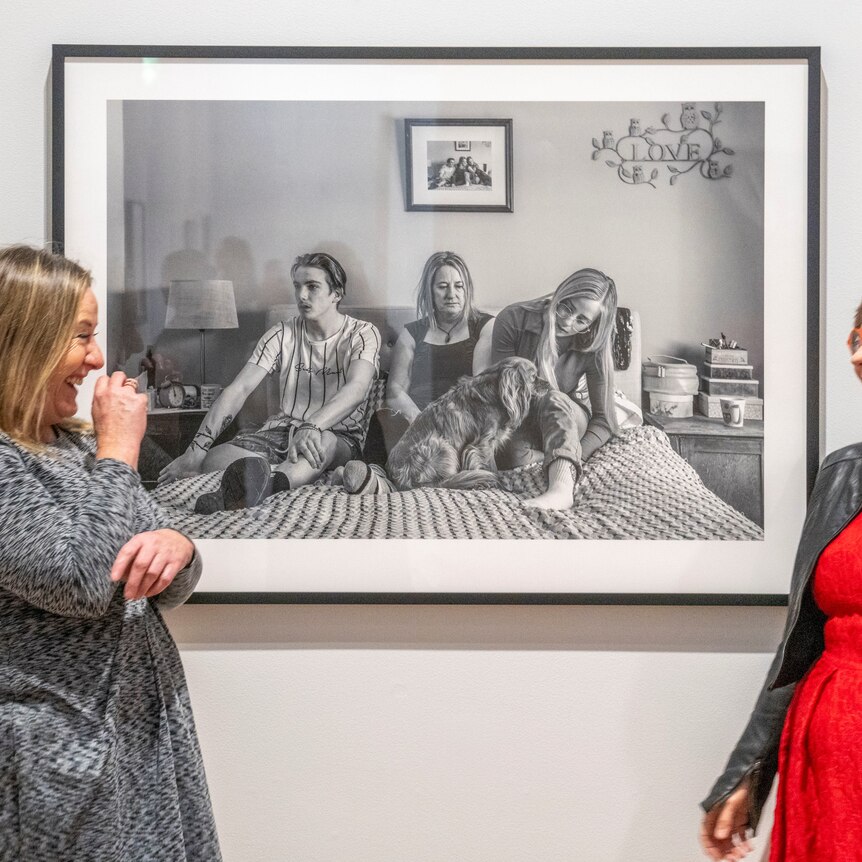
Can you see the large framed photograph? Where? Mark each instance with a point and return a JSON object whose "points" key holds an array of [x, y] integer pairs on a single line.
{"points": [[447, 175], [368, 384]]}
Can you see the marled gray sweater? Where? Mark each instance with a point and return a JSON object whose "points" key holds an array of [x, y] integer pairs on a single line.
{"points": [[99, 760]]}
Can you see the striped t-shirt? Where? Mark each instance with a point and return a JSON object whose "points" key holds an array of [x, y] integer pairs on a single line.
{"points": [[311, 372]]}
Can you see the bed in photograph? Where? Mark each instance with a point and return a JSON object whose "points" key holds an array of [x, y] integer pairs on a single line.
{"points": [[634, 487]]}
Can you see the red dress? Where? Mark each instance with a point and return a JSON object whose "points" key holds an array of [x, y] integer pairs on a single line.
{"points": [[819, 811]]}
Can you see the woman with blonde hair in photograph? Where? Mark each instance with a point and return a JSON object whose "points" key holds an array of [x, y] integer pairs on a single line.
{"points": [[99, 759], [450, 339], [567, 334]]}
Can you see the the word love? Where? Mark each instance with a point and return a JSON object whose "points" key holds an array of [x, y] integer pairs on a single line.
{"points": [[683, 148]]}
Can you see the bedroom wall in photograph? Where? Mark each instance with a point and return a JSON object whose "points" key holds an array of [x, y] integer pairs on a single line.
{"points": [[238, 189]]}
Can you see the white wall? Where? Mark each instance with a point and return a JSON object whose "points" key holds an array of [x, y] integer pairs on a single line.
{"points": [[378, 734]]}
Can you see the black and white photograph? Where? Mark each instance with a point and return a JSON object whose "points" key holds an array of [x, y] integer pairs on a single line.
{"points": [[325, 363], [448, 170], [447, 175], [286, 334]]}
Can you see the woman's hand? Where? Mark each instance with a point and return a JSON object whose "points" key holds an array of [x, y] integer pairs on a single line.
{"points": [[119, 418], [149, 562], [724, 832]]}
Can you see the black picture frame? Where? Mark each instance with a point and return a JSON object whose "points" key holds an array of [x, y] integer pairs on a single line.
{"points": [[807, 57], [423, 187]]}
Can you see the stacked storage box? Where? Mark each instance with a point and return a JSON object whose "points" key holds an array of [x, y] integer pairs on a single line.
{"points": [[728, 374], [671, 384]]}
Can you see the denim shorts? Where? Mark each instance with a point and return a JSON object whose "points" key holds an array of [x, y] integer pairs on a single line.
{"points": [[273, 443]]}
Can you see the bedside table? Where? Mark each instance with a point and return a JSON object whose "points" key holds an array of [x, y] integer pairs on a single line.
{"points": [[728, 460], [174, 428], [169, 432]]}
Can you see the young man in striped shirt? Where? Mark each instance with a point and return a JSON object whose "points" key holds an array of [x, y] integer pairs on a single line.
{"points": [[326, 362]]}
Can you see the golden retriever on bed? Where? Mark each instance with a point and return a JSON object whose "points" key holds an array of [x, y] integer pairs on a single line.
{"points": [[451, 443]]}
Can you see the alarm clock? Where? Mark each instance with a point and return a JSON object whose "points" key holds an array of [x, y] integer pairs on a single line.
{"points": [[171, 393], [192, 394]]}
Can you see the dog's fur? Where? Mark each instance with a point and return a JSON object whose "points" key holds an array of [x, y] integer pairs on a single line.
{"points": [[451, 443]]}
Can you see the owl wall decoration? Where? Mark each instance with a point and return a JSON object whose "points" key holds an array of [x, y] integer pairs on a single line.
{"points": [[668, 149], [688, 118]]}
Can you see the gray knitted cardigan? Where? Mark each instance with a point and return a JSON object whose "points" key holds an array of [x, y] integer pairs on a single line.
{"points": [[99, 760]]}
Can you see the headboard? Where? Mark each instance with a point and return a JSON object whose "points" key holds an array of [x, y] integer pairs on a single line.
{"points": [[390, 321]]}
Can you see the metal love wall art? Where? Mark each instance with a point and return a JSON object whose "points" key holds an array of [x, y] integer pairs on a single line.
{"points": [[668, 151]]}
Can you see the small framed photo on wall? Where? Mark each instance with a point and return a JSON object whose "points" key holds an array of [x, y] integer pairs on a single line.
{"points": [[441, 176]]}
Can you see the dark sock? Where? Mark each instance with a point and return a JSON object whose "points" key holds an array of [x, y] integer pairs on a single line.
{"points": [[280, 482]]}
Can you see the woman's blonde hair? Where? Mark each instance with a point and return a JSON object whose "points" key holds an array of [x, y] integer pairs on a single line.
{"points": [[588, 284], [40, 294], [425, 293]]}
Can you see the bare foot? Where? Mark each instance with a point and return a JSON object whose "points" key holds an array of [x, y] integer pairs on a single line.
{"points": [[551, 500]]}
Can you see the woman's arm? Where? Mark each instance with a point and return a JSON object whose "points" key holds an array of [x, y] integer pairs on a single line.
{"points": [[601, 388], [753, 762], [484, 348], [505, 335], [149, 562], [400, 371], [151, 519], [183, 585], [55, 557]]}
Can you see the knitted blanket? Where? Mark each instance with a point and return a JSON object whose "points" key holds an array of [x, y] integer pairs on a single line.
{"points": [[634, 487]]}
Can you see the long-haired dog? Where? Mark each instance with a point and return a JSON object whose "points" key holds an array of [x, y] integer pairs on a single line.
{"points": [[451, 443]]}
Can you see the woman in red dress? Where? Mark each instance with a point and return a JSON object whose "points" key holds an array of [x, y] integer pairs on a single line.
{"points": [[808, 718]]}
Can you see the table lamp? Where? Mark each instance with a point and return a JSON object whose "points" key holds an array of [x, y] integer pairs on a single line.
{"points": [[201, 305]]}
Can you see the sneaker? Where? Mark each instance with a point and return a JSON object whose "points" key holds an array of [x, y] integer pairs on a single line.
{"points": [[362, 478], [358, 478], [245, 483]]}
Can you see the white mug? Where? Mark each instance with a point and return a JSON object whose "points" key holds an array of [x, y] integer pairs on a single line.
{"points": [[733, 411], [209, 393]]}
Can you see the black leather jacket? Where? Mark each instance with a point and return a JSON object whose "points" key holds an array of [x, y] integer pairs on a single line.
{"points": [[835, 501]]}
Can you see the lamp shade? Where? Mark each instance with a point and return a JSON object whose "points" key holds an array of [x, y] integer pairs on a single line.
{"points": [[201, 305]]}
